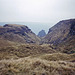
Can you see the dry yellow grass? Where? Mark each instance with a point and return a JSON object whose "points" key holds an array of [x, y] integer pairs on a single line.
{"points": [[36, 66], [23, 50], [58, 57], [30, 59]]}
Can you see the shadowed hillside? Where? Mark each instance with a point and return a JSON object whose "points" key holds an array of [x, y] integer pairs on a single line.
{"points": [[61, 31], [62, 35]]}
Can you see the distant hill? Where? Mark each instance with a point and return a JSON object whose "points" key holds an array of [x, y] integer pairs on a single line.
{"points": [[18, 33], [62, 34], [42, 33]]}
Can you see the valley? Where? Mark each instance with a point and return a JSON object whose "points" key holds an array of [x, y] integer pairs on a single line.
{"points": [[22, 52]]}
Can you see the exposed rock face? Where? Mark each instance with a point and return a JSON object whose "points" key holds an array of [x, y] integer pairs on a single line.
{"points": [[18, 33], [61, 31], [42, 33]]}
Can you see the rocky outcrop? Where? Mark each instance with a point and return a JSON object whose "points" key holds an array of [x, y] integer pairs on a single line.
{"points": [[42, 33]]}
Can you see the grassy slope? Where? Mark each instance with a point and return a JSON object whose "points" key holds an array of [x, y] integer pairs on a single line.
{"points": [[18, 33], [68, 46], [29, 59], [37, 66], [24, 50]]}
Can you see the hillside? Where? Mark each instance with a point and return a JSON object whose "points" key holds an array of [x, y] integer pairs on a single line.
{"points": [[61, 31], [18, 33], [62, 35]]}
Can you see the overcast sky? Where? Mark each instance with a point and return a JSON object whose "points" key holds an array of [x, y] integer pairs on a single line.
{"points": [[36, 10], [51, 11]]}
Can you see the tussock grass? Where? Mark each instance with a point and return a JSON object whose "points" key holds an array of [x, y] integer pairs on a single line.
{"points": [[36, 66], [29, 59], [58, 57], [23, 50]]}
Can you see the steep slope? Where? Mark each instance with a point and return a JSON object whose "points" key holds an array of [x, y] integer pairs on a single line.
{"points": [[18, 33], [61, 31], [42, 33], [62, 35]]}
